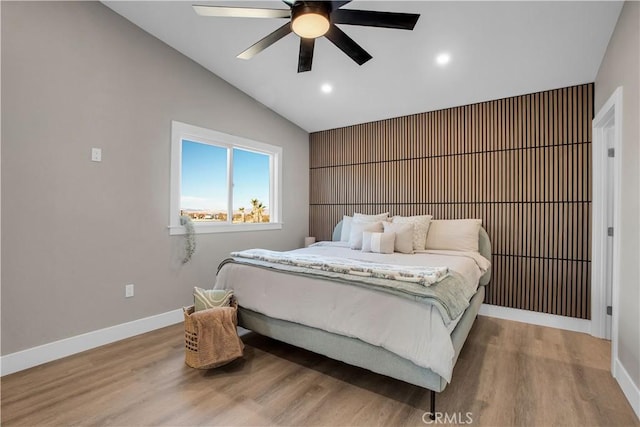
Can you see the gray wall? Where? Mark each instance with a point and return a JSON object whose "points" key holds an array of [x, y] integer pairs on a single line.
{"points": [[620, 67], [74, 232]]}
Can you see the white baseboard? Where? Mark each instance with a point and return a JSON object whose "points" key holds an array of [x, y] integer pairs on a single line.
{"points": [[35, 356], [535, 318], [630, 390]]}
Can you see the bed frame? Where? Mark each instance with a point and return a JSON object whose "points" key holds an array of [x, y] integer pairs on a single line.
{"points": [[358, 353]]}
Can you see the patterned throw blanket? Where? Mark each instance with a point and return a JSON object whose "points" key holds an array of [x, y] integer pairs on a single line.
{"points": [[424, 276], [445, 289]]}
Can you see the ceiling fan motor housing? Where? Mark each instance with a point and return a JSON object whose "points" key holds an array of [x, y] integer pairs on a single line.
{"points": [[310, 19]]}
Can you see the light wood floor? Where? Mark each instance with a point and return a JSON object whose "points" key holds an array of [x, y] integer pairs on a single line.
{"points": [[508, 374]]}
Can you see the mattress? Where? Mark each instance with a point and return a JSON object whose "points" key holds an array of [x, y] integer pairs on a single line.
{"points": [[411, 329]]}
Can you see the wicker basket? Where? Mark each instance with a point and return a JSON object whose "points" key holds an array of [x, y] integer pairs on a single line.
{"points": [[192, 354]]}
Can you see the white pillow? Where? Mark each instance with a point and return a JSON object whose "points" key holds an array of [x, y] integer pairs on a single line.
{"points": [[358, 228], [404, 236], [345, 234], [420, 228], [381, 243], [346, 228], [454, 234], [371, 218]]}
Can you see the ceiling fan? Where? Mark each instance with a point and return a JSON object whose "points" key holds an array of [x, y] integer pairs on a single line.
{"points": [[313, 19]]}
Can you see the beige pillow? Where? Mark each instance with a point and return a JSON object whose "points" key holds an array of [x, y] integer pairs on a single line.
{"points": [[381, 243], [404, 236], [454, 234], [357, 228], [420, 228]]}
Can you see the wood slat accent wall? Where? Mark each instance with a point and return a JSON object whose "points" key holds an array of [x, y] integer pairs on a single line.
{"points": [[522, 164]]}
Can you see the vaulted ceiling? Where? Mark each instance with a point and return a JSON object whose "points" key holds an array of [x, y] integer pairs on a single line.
{"points": [[496, 49]]}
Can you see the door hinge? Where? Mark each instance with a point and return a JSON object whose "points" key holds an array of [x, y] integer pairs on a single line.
{"points": [[611, 152], [609, 310], [610, 231]]}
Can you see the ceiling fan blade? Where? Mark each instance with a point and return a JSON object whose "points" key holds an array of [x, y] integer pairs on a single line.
{"points": [[306, 54], [289, 2], [266, 42], [347, 45], [241, 12], [371, 18], [336, 4]]}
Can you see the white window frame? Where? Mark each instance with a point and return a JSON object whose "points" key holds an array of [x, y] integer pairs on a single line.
{"points": [[181, 131]]}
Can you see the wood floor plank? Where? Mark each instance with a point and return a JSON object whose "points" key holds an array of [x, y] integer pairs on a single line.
{"points": [[508, 373]]}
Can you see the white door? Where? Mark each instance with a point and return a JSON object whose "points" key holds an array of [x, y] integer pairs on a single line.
{"points": [[605, 249]]}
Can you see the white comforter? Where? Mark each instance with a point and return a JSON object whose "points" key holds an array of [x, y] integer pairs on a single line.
{"points": [[411, 329]]}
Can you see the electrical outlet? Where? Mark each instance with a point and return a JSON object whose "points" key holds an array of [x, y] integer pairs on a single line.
{"points": [[96, 155], [128, 290]]}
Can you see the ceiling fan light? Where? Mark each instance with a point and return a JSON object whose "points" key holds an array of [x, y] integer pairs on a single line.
{"points": [[310, 20], [310, 25]]}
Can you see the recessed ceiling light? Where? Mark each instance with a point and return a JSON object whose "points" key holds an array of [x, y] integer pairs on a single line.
{"points": [[443, 58], [326, 88]]}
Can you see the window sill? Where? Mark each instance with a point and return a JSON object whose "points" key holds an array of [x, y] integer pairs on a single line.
{"points": [[225, 228]]}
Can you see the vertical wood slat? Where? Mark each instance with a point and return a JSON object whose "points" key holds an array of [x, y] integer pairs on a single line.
{"points": [[522, 164]]}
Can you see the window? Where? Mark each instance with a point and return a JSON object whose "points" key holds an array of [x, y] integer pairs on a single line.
{"points": [[223, 182]]}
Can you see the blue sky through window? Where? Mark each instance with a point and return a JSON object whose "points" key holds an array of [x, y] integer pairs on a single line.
{"points": [[250, 179], [204, 178]]}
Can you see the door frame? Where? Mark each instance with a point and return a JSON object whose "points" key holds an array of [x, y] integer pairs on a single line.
{"points": [[609, 117]]}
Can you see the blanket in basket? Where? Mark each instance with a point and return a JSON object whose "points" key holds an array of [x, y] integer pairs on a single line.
{"points": [[211, 337]]}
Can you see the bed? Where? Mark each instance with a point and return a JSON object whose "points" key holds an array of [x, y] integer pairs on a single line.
{"points": [[361, 325]]}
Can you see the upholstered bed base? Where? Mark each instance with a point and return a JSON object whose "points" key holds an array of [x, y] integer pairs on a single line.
{"points": [[356, 352]]}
